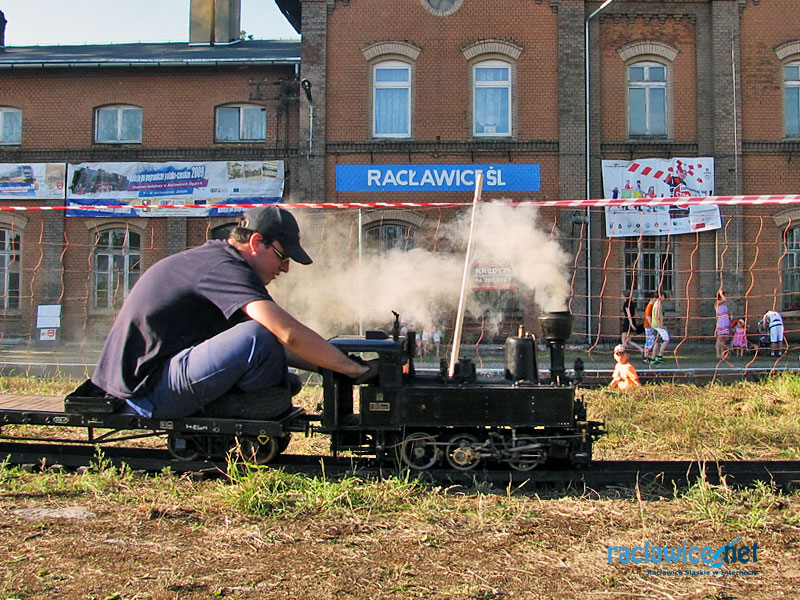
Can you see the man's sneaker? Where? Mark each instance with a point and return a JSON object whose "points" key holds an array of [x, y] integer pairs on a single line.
{"points": [[658, 359], [645, 360]]}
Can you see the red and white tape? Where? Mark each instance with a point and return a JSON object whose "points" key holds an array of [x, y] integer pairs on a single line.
{"points": [[764, 199]]}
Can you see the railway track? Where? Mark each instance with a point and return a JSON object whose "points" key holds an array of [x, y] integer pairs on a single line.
{"points": [[595, 475]]}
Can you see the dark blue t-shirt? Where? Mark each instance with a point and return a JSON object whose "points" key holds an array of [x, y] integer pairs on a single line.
{"points": [[177, 303]]}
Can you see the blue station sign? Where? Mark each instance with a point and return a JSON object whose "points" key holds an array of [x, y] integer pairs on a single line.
{"points": [[437, 178]]}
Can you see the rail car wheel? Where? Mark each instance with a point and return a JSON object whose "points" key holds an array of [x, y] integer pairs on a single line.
{"points": [[419, 451], [183, 447], [526, 454], [461, 453], [258, 450]]}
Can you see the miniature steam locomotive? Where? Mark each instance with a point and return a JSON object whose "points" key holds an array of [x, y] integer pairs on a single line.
{"points": [[405, 417]]}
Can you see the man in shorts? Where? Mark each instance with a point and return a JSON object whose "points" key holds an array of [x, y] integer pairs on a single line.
{"points": [[649, 334], [657, 322]]}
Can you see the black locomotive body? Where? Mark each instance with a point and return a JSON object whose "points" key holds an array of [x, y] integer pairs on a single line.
{"points": [[420, 420], [459, 420]]}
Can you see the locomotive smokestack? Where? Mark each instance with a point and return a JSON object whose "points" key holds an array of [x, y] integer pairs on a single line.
{"points": [[556, 329]]}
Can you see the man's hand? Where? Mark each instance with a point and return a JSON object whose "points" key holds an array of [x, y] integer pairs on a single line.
{"points": [[369, 374]]}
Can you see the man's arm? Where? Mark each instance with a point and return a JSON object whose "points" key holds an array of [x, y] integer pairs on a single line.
{"points": [[306, 348]]}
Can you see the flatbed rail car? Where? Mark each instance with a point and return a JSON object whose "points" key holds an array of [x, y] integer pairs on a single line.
{"points": [[188, 438]]}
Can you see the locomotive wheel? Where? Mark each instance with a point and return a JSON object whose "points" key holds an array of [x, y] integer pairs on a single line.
{"points": [[460, 452], [258, 450], [183, 447], [419, 451], [527, 460]]}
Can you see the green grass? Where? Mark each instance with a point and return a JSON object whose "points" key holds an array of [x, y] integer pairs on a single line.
{"points": [[724, 422]]}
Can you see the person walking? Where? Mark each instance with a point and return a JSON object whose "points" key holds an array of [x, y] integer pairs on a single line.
{"points": [[659, 327], [628, 325], [649, 333]]}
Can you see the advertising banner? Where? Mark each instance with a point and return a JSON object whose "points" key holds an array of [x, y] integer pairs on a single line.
{"points": [[492, 276], [659, 178], [32, 181], [437, 178], [171, 186]]}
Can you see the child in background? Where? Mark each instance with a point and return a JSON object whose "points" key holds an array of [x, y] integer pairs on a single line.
{"points": [[625, 375], [739, 342]]}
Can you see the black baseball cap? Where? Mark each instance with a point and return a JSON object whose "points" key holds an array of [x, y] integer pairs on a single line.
{"points": [[276, 224]]}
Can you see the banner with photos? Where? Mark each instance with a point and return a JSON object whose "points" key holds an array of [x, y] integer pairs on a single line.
{"points": [[32, 181], [659, 178], [171, 186]]}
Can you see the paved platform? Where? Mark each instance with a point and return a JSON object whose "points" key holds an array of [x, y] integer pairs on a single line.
{"points": [[690, 365]]}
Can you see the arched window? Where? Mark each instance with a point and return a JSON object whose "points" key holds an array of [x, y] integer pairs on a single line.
{"points": [[491, 98], [790, 267], [241, 123], [116, 262], [10, 126], [791, 94], [118, 125], [391, 99], [648, 267], [9, 269], [647, 99], [391, 236]]}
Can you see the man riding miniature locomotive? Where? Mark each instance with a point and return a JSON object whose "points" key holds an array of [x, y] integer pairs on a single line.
{"points": [[200, 326]]}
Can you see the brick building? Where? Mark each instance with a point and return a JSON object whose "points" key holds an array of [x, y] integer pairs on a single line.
{"points": [[413, 81], [130, 103], [438, 84]]}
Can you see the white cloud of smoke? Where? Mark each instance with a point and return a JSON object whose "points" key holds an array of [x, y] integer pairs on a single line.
{"points": [[338, 290]]}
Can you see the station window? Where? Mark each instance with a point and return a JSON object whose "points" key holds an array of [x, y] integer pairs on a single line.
{"points": [[241, 123], [391, 87], [391, 237], [118, 125], [117, 266], [9, 269], [647, 99], [10, 126], [790, 267], [648, 267], [791, 86], [491, 98]]}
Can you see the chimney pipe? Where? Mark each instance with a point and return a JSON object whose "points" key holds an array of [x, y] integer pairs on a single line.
{"points": [[2, 30]]}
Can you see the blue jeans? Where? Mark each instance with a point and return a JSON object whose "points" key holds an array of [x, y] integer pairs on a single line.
{"points": [[247, 356]]}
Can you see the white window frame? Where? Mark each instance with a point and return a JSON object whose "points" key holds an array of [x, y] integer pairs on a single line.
{"points": [[119, 136], [790, 264], [649, 265], [382, 236], [10, 270], [648, 86], [119, 280], [4, 116], [242, 134], [791, 82], [391, 85], [506, 86]]}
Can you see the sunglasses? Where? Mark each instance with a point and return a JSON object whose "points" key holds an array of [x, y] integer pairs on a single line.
{"points": [[281, 256]]}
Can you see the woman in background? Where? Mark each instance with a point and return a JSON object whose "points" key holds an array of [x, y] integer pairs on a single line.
{"points": [[723, 328]]}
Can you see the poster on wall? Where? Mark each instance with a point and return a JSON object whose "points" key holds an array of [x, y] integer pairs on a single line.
{"points": [[166, 189], [32, 181], [659, 178]]}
